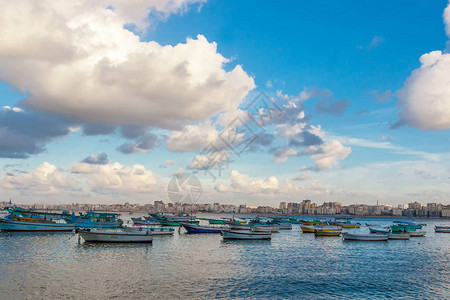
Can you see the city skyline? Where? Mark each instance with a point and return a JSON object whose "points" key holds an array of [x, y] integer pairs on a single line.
{"points": [[110, 101]]}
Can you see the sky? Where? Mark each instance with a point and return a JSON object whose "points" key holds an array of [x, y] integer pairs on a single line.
{"points": [[107, 101]]}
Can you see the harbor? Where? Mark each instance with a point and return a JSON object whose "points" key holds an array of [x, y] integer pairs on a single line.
{"points": [[182, 265]]}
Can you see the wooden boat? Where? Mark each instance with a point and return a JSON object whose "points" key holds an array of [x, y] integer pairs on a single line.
{"points": [[379, 230], [398, 236], [245, 235], [95, 220], [284, 226], [176, 223], [144, 221], [312, 229], [190, 228], [153, 230], [319, 232], [236, 226], [364, 237], [7, 224], [213, 221], [315, 222], [443, 229], [265, 228], [417, 233], [115, 236]]}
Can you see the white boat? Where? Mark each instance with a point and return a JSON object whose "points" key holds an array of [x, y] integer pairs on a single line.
{"points": [[115, 236], [444, 229], [364, 237], [399, 236], [240, 226], [417, 233], [245, 235], [265, 228], [153, 230], [285, 226], [38, 226]]}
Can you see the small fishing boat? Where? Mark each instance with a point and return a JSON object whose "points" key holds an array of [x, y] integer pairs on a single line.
{"points": [[443, 229], [213, 221], [364, 237], [245, 235], [153, 230], [379, 230], [37, 225], [284, 226], [115, 236], [190, 228], [319, 232], [314, 222], [265, 228], [95, 220], [398, 236], [416, 233], [237, 226], [176, 223], [312, 229], [144, 221]]}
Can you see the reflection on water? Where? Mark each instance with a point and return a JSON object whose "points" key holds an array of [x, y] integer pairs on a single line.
{"points": [[292, 265]]}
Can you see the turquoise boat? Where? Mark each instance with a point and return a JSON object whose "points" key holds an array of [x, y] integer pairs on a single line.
{"points": [[37, 225], [95, 220]]}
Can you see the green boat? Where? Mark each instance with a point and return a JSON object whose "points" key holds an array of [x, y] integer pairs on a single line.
{"points": [[213, 221], [175, 223]]}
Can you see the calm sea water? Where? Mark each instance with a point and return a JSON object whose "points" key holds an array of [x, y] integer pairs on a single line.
{"points": [[292, 265]]}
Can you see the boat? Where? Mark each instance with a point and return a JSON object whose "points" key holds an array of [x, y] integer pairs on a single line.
{"points": [[245, 235], [101, 235], [191, 228], [319, 232], [95, 220], [176, 223], [364, 237], [144, 221], [265, 228], [312, 229], [379, 230], [443, 229], [416, 233], [38, 225], [213, 221], [314, 222], [408, 225], [399, 236], [284, 226], [238, 226], [153, 230]]}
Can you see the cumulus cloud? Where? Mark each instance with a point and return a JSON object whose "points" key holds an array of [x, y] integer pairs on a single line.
{"points": [[116, 178], [425, 96], [329, 154], [96, 71], [143, 144], [243, 184], [46, 179], [25, 133], [100, 159]]}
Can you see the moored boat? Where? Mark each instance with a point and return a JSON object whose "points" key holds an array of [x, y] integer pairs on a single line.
{"points": [[176, 223], [153, 230], [245, 235], [191, 228], [398, 236], [319, 232], [95, 220], [314, 222], [42, 225], [265, 228], [379, 230], [237, 226], [115, 236], [442, 229], [364, 237], [416, 233], [312, 229], [213, 221]]}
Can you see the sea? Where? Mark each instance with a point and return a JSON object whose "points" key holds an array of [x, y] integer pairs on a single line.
{"points": [[292, 265]]}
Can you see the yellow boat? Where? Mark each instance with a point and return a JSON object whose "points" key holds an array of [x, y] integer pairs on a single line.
{"points": [[327, 233], [312, 229], [349, 226], [315, 222]]}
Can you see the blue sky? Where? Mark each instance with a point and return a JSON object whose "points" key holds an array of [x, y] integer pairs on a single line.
{"points": [[364, 117]]}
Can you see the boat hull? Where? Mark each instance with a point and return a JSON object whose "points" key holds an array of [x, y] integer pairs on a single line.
{"points": [[245, 235], [263, 228], [312, 229], [115, 237], [399, 236], [376, 230], [365, 237], [442, 229], [153, 230], [10, 225], [416, 233], [313, 223], [327, 233], [202, 229]]}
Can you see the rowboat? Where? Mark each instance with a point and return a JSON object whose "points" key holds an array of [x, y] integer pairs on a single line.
{"points": [[265, 228], [203, 229], [379, 230], [443, 229], [315, 222], [245, 235], [95, 220], [236, 226], [364, 237], [327, 233], [176, 223], [115, 236], [398, 236], [312, 229], [213, 221], [284, 226], [417, 233], [153, 230], [7, 224]]}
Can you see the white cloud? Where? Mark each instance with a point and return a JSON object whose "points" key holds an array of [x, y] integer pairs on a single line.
{"points": [[192, 137], [46, 179], [425, 96], [98, 72], [283, 155], [243, 184], [329, 154]]}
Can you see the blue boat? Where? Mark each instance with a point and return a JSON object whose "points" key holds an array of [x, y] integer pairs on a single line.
{"points": [[95, 220], [379, 230], [39, 225], [202, 229]]}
